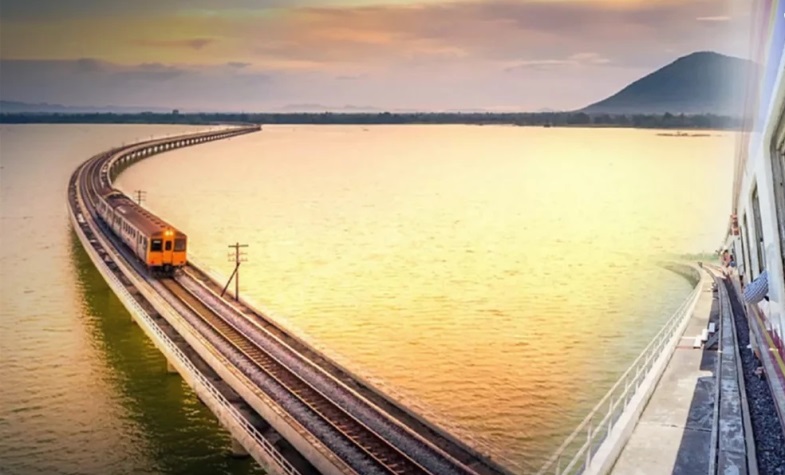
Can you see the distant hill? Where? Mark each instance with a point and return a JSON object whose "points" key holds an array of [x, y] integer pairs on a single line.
{"points": [[320, 108], [15, 107], [700, 83]]}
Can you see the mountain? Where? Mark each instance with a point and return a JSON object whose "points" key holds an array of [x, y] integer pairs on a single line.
{"points": [[700, 83], [15, 107]]}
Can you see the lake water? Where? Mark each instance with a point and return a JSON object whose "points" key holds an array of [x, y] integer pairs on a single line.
{"points": [[498, 279]]}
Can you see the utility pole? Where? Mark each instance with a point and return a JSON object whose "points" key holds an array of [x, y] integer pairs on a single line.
{"points": [[238, 257], [140, 196]]}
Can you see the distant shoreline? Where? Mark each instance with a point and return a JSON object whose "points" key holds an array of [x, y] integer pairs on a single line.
{"points": [[545, 119]]}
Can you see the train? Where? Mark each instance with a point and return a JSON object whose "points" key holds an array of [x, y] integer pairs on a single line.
{"points": [[756, 228], [161, 247]]}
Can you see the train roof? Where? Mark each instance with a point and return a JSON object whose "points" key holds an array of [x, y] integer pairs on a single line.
{"points": [[139, 217]]}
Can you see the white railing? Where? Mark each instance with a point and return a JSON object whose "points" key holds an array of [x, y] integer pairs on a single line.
{"points": [[163, 340], [131, 303], [575, 455]]}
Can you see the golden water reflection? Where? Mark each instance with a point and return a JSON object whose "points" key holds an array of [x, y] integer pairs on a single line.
{"points": [[499, 278]]}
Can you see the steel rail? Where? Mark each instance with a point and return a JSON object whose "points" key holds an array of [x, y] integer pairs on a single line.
{"points": [[376, 447], [357, 405], [385, 454], [80, 206]]}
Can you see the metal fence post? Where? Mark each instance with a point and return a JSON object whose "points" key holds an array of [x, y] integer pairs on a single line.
{"points": [[588, 445], [610, 416]]}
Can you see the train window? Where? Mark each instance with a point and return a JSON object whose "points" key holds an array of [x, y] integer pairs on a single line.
{"points": [[156, 246], [168, 245], [179, 245], [758, 230], [746, 262], [778, 174]]}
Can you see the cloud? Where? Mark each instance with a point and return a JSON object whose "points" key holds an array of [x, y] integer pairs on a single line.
{"points": [[574, 60], [352, 77], [344, 35], [634, 33], [199, 43], [190, 43], [59, 9], [542, 65], [589, 58], [419, 54], [714, 18], [89, 65], [146, 84], [148, 72]]}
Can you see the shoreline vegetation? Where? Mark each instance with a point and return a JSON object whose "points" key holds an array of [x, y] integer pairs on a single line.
{"points": [[540, 119]]}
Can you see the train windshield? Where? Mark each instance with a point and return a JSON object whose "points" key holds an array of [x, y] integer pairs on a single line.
{"points": [[156, 245], [179, 244]]}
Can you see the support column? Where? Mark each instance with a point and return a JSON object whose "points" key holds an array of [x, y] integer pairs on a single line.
{"points": [[170, 367], [238, 451]]}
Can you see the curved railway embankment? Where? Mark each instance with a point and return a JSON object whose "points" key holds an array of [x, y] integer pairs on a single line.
{"points": [[337, 421], [163, 327]]}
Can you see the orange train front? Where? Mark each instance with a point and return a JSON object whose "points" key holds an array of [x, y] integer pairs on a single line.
{"points": [[160, 246]]}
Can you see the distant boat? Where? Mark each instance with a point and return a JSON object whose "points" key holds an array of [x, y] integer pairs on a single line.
{"points": [[682, 134], [547, 125]]}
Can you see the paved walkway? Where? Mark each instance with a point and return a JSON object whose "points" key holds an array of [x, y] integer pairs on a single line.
{"points": [[673, 435]]}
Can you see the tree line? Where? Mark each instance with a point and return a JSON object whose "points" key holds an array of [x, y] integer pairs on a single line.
{"points": [[542, 119]]}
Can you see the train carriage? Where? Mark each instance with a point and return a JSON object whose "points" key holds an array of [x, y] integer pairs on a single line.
{"points": [[756, 231], [160, 246]]}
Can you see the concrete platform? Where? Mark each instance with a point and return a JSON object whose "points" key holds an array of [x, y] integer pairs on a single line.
{"points": [[674, 433]]}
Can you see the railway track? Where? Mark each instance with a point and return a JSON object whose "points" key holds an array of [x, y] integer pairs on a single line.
{"points": [[430, 454], [317, 367], [385, 456], [763, 429]]}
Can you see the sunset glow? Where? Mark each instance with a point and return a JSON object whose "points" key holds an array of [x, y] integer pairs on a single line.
{"points": [[425, 55]]}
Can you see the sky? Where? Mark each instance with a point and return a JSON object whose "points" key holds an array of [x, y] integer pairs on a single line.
{"points": [[282, 55]]}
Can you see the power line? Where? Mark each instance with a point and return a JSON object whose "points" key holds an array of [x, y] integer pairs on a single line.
{"points": [[140, 196], [238, 257]]}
